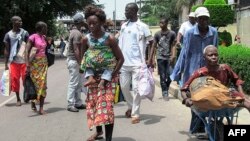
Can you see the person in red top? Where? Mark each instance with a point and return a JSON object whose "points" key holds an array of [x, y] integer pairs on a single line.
{"points": [[221, 72]]}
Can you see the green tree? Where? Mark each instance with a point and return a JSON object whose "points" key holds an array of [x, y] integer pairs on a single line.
{"points": [[32, 11], [186, 3], [152, 10], [221, 14]]}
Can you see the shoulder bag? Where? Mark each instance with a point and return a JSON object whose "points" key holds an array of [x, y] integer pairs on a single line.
{"points": [[21, 44], [29, 89], [50, 55]]}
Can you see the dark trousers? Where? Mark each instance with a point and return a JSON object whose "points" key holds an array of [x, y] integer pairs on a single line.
{"points": [[164, 72], [108, 131], [196, 125]]}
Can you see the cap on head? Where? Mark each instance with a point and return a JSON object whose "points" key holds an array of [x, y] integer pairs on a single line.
{"points": [[191, 14], [78, 18], [202, 11]]}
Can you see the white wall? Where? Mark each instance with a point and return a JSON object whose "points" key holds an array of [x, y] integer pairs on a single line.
{"points": [[243, 25]]}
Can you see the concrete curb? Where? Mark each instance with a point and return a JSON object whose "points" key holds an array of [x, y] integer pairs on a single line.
{"points": [[173, 90]]}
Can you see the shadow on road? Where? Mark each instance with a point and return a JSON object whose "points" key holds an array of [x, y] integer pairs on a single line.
{"points": [[55, 109], [123, 139], [191, 137], [48, 111], [146, 118], [119, 139], [23, 103], [150, 119], [120, 104]]}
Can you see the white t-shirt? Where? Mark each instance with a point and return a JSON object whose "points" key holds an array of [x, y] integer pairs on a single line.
{"points": [[185, 27], [132, 41]]}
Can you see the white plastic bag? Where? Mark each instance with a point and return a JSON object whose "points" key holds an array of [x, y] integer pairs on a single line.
{"points": [[146, 84], [65, 52], [5, 83]]}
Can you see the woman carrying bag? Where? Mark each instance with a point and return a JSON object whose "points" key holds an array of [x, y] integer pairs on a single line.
{"points": [[38, 66]]}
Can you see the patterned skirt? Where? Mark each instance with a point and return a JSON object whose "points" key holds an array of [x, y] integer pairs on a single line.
{"points": [[38, 73], [100, 105]]}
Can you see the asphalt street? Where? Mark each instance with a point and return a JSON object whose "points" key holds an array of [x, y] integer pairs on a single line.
{"points": [[160, 120]]}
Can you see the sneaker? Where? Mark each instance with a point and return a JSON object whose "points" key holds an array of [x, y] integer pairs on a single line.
{"points": [[83, 106], [165, 95], [72, 109], [201, 136]]}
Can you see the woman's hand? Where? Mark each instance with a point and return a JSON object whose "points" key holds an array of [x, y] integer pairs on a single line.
{"points": [[115, 76], [6, 67], [27, 69]]}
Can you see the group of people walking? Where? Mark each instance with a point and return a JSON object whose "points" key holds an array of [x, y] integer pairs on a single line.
{"points": [[102, 61], [21, 65]]}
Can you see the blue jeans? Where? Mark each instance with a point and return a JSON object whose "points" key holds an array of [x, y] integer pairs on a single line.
{"points": [[75, 84], [164, 72], [196, 125]]}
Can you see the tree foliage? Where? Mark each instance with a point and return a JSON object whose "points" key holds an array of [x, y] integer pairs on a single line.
{"points": [[214, 2], [152, 10], [221, 14], [32, 11]]}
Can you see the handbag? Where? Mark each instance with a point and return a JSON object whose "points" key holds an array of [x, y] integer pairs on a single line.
{"points": [[146, 83], [5, 83], [21, 51], [32, 53], [22, 43], [207, 93], [50, 55], [118, 94], [29, 89]]}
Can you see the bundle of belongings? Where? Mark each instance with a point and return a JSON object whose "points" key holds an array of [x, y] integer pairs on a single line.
{"points": [[207, 93]]}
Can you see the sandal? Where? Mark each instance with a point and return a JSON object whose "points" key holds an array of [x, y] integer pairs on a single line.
{"points": [[42, 112], [135, 120], [95, 136], [18, 103], [128, 113]]}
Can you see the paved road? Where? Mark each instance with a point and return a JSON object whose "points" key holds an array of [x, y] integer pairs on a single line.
{"points": [[160, 120]]}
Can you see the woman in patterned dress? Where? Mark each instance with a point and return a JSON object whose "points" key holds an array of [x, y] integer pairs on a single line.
{"points": [[38, 67], [101, 52]]}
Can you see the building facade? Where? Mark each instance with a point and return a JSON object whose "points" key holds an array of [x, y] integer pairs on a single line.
{"points": [[243, 20]]}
